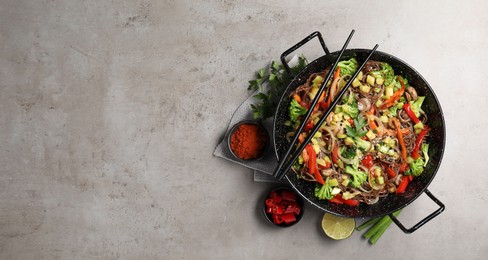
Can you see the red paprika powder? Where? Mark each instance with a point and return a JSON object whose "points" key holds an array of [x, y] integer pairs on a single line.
{"points": [[248, 141]]}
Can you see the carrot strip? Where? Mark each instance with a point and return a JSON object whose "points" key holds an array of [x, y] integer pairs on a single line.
{"points": [[400, 139], [297, 98]]}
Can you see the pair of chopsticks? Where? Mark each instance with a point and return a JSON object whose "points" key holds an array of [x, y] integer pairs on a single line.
{"points": [[284, 165]]}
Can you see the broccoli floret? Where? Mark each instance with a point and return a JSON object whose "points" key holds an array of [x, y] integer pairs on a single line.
{"points": [[324, 192], [348, 67], [351, 109], [416, 105], [296, 111], [417, 167], [386, 73], [358, 177], [348, 152], [349, 106]]}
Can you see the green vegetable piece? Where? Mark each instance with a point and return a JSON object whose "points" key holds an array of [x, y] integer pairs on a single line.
{"points": [[358, 177], [386, 73], [381, 230], [348, 141], [425, 150], [382, 148], [317, 81], [416, 105], [351, 108], [323, 192], [348, 67], [368, 223], [333, 182], [418, 127], [393, 111], [362, 144], [349, 152], [295, 112], [417, 167]]}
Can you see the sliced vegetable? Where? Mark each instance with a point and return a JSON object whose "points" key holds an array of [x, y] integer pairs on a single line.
{"points": [[335, 154], [410, 113], [380, 225], [395, 97], [403, 185], [367, 161], [425, 151], [400, 139], [282, 206], [312, 164], [419, 141], [337, 199], [386, 74]]}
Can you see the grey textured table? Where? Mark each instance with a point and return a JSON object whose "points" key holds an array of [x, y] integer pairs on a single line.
{"points": [[110, 111]]}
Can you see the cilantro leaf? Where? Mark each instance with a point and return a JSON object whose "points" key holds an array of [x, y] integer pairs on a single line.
{"points": [[358, 130]]}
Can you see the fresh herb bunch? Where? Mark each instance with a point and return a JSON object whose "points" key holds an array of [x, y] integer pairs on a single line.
{"points": [[271, 83]]}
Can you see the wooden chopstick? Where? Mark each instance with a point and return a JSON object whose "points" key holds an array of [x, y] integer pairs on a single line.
{"points": [[281, 170]]}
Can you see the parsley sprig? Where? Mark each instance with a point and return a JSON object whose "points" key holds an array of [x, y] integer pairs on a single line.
{"points": [[357, 131], [271, 83]]}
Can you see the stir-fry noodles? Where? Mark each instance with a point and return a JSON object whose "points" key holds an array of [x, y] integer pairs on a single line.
{"points": [[371, 145]]}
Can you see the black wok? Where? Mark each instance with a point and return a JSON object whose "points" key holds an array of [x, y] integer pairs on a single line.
{"points": [[436, 139]]}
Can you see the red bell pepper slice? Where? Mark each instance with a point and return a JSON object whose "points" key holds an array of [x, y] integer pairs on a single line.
{"points": [[337, 199], [323, 105], [277, 219], [403, 185], [305, 105], [351, 202], [298, 208], [395, 97], [291, 207], [271, 202], [410, 113], [308, 126], [418, 142], [367, 161], [404, 167], [312, 164], [391, 173], [289, 218], [278, 210], [289, 195]]}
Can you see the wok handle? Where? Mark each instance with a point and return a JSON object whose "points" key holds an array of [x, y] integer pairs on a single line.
{"points": [[298, 45], [423, 221]]}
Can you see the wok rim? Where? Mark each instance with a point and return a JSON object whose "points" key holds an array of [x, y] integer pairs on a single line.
{"points": [[442, 143]]}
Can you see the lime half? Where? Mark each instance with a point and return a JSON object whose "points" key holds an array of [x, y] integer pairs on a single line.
{"points": [[338, 227]]}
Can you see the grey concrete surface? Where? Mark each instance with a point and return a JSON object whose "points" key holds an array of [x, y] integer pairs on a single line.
{"points": [[110, 111]]}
